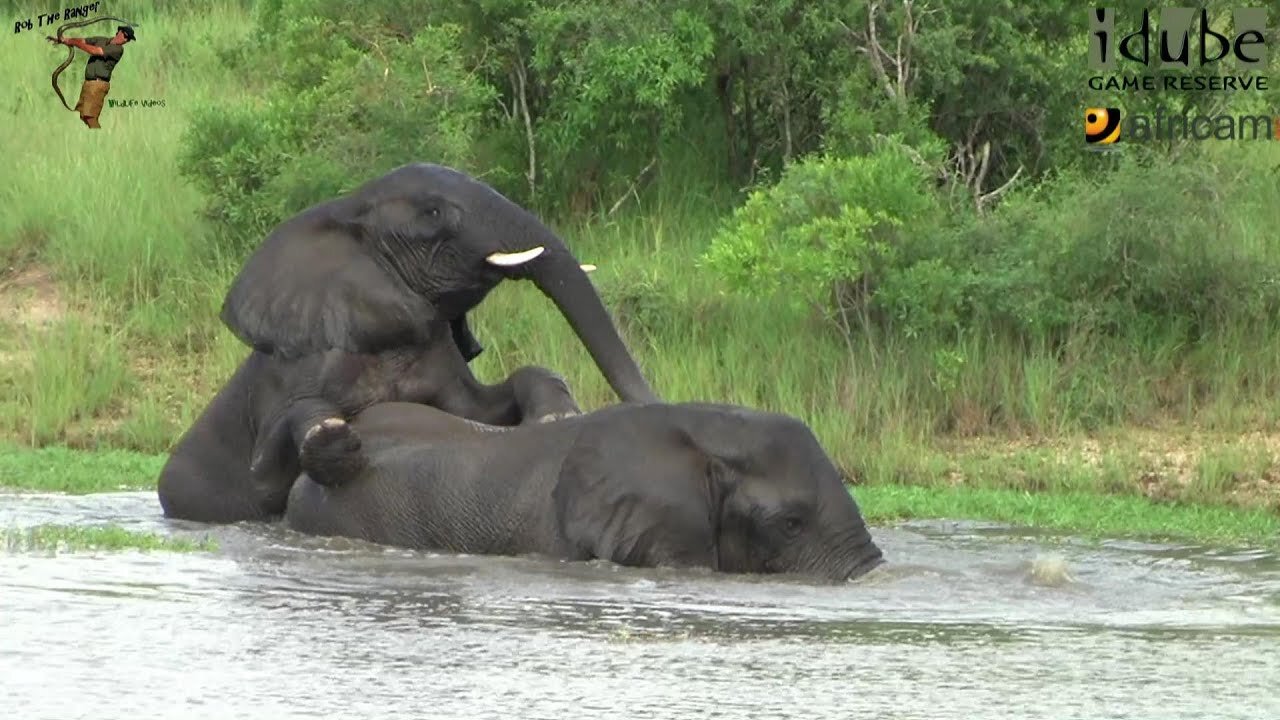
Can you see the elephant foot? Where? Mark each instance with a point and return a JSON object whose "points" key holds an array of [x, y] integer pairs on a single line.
{"points": [[331, 452]]}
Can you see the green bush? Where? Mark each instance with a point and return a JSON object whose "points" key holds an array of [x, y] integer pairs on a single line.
{"points": [[556, 101], [1151, 248], [830, 226], [347, 107], [567, 105]]}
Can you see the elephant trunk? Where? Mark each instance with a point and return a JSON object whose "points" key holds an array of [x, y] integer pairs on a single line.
{"points": [[559, 276], [866, 557], [844, 556]]}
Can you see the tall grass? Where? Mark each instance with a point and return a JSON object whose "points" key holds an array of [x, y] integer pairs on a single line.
{"points": [[105, 208], [109, 213], [77, 370]]}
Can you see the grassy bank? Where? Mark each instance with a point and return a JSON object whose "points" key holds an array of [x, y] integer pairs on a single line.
{"points": [[109, 339], [72, 539]]}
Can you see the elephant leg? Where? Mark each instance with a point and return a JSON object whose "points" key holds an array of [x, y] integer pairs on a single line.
{"points": [[330, 452], [283, 440], [542, 395], [530, 394]]}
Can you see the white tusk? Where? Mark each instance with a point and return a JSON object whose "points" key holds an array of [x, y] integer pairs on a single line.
{"points": [[588, 268], [513, 259]]}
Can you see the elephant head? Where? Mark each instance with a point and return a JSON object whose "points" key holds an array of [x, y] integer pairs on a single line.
{"points": [[710, 485], [377, 268]]}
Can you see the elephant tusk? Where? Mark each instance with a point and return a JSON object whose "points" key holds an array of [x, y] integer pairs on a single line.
{"points": [[588, 268], [513, 259]]}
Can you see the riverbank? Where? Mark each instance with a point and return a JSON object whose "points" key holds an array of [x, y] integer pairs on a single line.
{"points": [[110, 343], [1044, 488]]}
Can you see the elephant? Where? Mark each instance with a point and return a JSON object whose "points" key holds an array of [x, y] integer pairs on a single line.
{"points": [[363, 299], [680, 485]]}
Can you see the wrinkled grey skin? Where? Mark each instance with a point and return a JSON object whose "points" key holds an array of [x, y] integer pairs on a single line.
{"points": [[363, 299], [676, 485]]}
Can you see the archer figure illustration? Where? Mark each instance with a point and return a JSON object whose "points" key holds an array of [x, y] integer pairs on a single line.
{"points": [[104, 53]]}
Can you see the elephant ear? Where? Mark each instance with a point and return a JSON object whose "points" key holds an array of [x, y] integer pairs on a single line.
{"points": [[309, 289], [462, 337], [661, 509]]}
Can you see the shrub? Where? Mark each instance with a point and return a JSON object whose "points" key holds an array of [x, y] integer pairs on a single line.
{"points": [[832, 227], [1154, 245], [1157, 246], [380, 101]]}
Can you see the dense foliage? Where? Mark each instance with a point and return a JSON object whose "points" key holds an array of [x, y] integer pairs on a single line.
{"points": [[897, 156]]}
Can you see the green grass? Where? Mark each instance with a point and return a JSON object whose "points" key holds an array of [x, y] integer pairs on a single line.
{"points": [[61, 469], [77, 538], [1083, 514], [995, 490], [150, 288], [123, 237], [136, 349]]}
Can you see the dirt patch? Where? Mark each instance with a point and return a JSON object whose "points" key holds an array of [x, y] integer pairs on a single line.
{"points": [[161, 386], [30, 301], [1242, 468], [30, 298], [1164, 464]]}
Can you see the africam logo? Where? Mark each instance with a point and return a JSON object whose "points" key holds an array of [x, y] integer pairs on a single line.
{"points": [[1102, 127]]}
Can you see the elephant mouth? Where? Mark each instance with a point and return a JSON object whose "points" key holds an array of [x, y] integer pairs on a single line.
{"points": [[865, 567], [454, 303], [869, 559]]}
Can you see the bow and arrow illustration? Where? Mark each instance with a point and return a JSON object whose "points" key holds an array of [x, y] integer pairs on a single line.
{"points": [[71, 52]]}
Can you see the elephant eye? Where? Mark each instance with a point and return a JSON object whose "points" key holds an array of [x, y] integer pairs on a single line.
{"points": [[434, 212], [792, 524]]}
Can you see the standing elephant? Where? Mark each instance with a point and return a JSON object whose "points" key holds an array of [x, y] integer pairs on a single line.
{"points": [[363, 299], [692, 485]]}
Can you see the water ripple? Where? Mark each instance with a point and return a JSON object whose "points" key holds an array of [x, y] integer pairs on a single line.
{"points": [[285, 626]]}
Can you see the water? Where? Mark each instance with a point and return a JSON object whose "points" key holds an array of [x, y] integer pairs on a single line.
{"points": [[276, 625]]}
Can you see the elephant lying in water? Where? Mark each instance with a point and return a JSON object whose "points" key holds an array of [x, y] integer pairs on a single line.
{"points": [[363, 299], [692, 485]]}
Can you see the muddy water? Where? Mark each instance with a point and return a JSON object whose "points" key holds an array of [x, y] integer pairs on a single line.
{"points": [[276, 625]]}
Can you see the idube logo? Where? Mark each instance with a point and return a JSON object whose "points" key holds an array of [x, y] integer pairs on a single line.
{"points": [[1184, 39]]}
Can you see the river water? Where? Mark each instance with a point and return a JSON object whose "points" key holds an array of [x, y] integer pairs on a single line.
{"points": [[957, 625]]}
